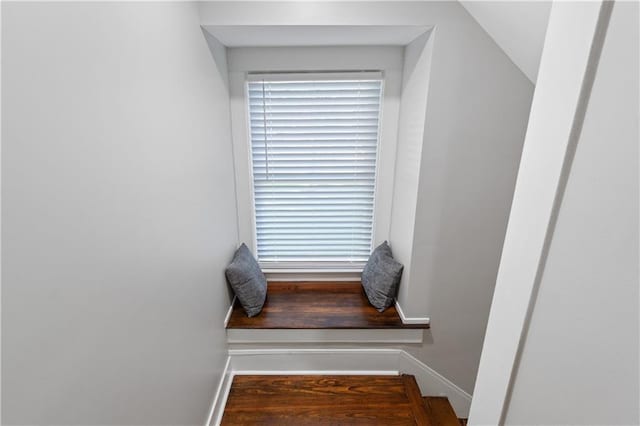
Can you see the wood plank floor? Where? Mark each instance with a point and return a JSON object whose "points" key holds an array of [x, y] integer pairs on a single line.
{"points": [[324, 400], [317, 305], [440, 411]]}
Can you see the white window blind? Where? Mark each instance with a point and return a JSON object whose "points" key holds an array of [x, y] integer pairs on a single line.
{"points": [[314, 145]]}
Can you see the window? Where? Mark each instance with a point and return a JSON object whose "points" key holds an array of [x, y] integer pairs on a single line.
{"points": [[314, 144]]}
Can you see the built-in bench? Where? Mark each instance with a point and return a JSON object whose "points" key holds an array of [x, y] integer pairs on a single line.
{"points": [[320, 312]]}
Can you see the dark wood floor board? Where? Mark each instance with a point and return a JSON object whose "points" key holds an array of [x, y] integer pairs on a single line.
{"points": [[322, 405], [317, 305], [319, 400], [415, 400], [441, 411], [315, 387], [338, 416], [322, 393]]}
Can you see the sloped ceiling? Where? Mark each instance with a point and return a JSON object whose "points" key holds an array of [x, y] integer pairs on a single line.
{"points": [[518, 27]]}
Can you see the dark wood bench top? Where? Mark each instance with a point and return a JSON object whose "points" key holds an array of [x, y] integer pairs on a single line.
{"points": [[317, 305]]}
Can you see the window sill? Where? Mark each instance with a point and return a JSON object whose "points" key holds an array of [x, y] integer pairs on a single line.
{"points": [[328, 275], [312, 271]]}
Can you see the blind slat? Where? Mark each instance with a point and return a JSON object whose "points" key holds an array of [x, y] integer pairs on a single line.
{"points": [[314, 155]]}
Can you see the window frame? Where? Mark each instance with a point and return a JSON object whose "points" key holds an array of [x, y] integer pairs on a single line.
{"points": [[317, 61]]}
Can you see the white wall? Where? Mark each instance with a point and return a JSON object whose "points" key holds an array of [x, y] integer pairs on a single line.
{"points": [[118, 214], [518, 27], [477, 112], [476, 116], [580, 354]]}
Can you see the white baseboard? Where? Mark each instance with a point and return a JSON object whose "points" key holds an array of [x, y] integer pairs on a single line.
{"points": [[220, 399], [410, 320], [434, 384], [322, 336], [335, 361]]}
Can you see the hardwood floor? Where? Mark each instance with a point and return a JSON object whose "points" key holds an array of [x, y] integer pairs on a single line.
{"points": [[317, 305], [440, 411], [325, 400], [420, 414]]}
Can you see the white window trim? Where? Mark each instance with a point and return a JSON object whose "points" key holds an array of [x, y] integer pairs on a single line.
{"points": [[250, 63]]}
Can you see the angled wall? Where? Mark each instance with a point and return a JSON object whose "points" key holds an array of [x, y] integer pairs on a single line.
{"points": [[580, 353], [518, 27], [118, 214], [563, 328], [477, 112]]}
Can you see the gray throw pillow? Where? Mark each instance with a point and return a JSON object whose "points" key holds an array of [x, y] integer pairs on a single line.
{"points": [[381, 277], [247, 280]]}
